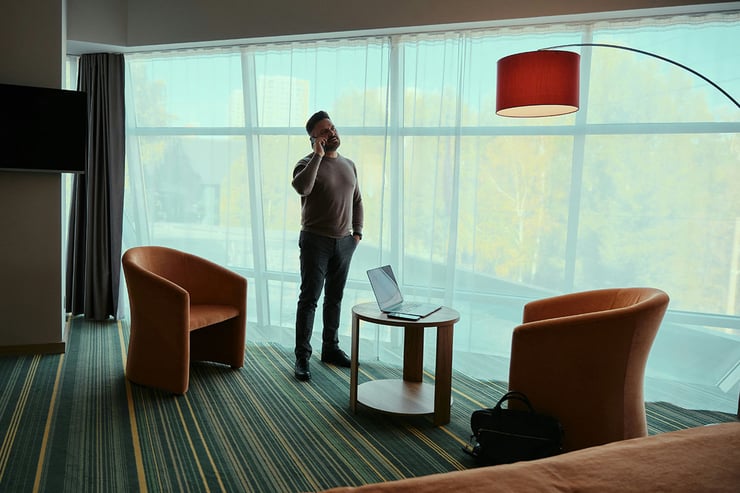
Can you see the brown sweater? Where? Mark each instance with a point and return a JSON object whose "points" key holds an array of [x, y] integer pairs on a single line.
{"points": [[331, 203]]}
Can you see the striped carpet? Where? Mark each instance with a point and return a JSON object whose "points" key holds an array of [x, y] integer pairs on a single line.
{"points": [[72, 423]]}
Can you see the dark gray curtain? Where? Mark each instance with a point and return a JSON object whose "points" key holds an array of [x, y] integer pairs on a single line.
{"points": [[96, 213]]}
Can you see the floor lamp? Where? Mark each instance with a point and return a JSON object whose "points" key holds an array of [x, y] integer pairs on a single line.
{"points": [[546, 82]]}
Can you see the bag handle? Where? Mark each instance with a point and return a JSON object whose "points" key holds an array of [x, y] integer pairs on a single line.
{"points": [[515, 395]]}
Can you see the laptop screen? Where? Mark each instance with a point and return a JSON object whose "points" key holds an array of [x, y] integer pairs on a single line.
{"points": [[384, 286]]}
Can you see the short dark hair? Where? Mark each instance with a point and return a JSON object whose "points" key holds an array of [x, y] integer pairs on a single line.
{"points": [[316, 118]]}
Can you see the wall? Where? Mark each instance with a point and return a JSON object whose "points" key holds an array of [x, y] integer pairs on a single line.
{"points": [[31, 311], [139, 23]]}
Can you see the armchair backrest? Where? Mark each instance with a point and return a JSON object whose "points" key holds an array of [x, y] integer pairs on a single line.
{"points": [[202, 279], [162, 261], [599, 300]]}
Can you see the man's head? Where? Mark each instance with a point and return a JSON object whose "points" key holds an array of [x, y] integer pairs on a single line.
{"points": [[320, 126], [316, 118]]}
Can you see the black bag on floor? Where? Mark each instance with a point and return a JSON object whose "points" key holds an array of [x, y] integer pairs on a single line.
{"points": [[502, 436]]}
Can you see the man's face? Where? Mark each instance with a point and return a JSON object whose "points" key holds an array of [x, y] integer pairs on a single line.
{"points": [[326, 132]]}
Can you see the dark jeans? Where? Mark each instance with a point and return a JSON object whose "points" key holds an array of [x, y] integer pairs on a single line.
{"points": [[324, 264]]}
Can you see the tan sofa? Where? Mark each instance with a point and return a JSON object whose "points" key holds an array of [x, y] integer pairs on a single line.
{"points": [[703, 459]]}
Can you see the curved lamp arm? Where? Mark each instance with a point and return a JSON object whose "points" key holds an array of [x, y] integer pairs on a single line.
{"points": [[546, 82], [659, 57]]}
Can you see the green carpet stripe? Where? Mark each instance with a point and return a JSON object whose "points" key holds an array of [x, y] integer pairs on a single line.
{"points": [[353, 440], [26, 389], [332, 419], [664, 416], [442, 452], [6, 400], [279, 436], [47, 428], [345, 429], [220, 420], [237, 430], [473, 390], [277, 385], [201, 437], [135, 442], [90, 445], [189, 441], [167, 463], [17, 415], [306, 415]]}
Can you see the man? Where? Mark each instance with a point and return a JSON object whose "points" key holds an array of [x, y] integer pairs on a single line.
{"points": [[331, 228]]}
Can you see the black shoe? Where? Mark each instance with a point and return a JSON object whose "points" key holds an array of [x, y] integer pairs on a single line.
{"points": [[336, 357], [302, 371]]}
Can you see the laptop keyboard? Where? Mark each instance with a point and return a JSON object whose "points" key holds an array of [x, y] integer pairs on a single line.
{"points": [[408, 306]]}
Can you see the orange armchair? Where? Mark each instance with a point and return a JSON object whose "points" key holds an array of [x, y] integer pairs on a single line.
{"points": [[183, 308], [581, 357]]}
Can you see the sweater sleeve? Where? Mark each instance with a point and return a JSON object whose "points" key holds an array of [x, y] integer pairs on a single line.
{"points": [[358, 211], [304, 174]]}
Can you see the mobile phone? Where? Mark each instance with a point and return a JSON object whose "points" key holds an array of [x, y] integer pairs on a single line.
{"points": [[403, 316], [313, 142]]}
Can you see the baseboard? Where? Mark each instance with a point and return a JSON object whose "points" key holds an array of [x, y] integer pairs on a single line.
{"points": [[47, 348]]}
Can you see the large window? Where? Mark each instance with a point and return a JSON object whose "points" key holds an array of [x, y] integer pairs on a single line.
{"points": [[482, 213]]}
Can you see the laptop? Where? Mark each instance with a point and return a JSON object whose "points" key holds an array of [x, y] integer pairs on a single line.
{"points": [[389, 297]]}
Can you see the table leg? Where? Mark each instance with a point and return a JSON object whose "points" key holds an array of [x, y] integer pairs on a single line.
{"points": [[355, 354], [413, 353], [443, 375]]}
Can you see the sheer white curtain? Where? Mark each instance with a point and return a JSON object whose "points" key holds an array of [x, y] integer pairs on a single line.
{"points": [[474, 211]]}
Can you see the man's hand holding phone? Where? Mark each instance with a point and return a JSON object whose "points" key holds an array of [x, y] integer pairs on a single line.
{"points": [[318, 145]]}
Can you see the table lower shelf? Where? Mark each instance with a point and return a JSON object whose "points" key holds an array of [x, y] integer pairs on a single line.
{"points": [[397, 396]]}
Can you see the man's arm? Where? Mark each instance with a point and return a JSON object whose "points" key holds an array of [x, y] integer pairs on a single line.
{"points": [[304, 175], [358, 211]]}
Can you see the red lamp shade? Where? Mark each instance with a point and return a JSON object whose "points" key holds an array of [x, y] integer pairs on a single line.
{"points": [[538, 83]]}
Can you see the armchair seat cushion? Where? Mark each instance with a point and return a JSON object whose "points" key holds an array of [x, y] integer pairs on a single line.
{"points": [[205, 315]]}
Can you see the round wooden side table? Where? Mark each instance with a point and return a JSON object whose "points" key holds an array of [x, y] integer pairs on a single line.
{"points": [[410, 395]]}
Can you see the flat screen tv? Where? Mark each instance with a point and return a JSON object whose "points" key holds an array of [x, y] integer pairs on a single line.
{"points": [[42, 129]]}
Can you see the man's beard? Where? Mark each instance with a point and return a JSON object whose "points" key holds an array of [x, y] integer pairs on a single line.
{"points": [[332, 144]]}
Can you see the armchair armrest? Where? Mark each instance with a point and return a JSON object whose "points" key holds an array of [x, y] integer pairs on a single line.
{"points": [[151, 295]]}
